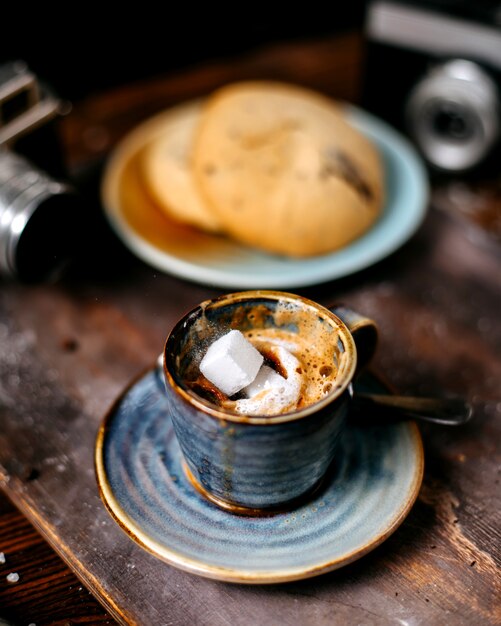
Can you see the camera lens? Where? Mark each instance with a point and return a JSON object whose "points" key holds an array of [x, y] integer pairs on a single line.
{"points": [[40, 221], [451, 121], [453, 115]]}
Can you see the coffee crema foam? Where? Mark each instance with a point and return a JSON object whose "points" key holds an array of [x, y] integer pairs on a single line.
{"points": [[308, 371], [299, 346]]}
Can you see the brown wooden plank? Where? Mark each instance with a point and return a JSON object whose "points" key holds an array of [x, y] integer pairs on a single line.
{"points": [[439, 332], [47, 591]]}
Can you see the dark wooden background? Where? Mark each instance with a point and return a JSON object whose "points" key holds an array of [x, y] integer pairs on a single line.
{"points": [[69, 348]]}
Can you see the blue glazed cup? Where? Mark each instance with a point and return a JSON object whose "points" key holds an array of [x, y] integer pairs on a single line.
{"points": [[257, 464]]}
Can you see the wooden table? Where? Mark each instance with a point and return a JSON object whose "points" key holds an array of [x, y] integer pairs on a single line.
{"points": [[68, 349]]}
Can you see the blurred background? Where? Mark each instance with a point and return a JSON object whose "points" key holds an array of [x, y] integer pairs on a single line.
{"points": [[430, 68], [82, 51]]}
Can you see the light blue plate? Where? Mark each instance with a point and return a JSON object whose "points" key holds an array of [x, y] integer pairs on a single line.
{"points": [[374, 483], [221, 262]]}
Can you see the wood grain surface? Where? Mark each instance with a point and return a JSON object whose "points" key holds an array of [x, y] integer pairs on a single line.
{"points": [[47, 591], [69, 348]]}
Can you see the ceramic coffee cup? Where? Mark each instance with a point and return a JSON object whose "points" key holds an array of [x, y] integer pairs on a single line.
{"points": [[253, 464]]}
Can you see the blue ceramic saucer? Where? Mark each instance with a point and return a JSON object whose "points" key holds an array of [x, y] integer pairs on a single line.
{"points": [[373, 485]]}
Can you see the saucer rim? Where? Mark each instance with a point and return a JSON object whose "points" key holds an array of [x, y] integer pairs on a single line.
{"points": [[198, 567]]}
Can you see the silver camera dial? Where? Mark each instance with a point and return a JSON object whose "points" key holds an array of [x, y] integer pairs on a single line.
{"points": [[453, 115]]}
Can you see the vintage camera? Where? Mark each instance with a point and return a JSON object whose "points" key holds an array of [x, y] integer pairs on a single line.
{"points": [[433, 70], [39, 213]]}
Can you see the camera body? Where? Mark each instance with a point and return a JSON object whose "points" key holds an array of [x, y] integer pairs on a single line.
{"points": [[433, 70], [28, 114], [38, 212]]}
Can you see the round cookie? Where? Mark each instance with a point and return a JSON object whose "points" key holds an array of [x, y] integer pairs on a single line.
{"points": [[167, 169], [283, 170]]}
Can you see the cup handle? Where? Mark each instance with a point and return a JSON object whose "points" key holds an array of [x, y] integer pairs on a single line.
{"points": [[364, 332]]}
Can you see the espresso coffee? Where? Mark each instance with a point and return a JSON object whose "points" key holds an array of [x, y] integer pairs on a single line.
{"points": [[251, 462], [302, 351], [308, 374]]}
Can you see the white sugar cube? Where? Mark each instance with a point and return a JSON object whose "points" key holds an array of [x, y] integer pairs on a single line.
{"points": [[231, 363], [266, 378], [270, 393]]}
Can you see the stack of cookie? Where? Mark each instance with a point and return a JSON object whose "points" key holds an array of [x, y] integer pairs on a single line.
{"points": [[274, 166]]}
